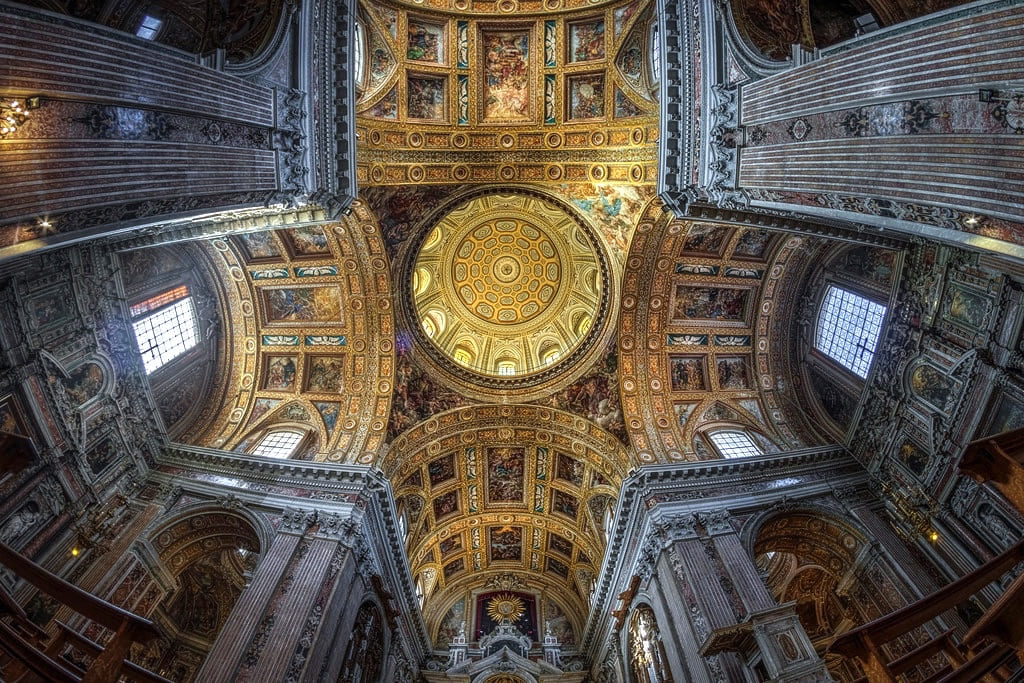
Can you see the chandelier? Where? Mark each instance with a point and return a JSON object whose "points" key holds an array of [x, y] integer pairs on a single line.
{"points": [[13, 113]]}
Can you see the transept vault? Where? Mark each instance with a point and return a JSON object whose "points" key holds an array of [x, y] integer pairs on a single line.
{"points": [[504, 341]]}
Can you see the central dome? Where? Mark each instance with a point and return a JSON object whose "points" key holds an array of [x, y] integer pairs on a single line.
{"points": [[506, 271], [507, 285]]}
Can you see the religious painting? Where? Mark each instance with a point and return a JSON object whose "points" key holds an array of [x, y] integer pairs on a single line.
{"points": [[506, 81], [450, 545], [721, 304], [12, 418], [279, 372], [557, 624], [733, 372], [688, 373], [441, 470], [968, 308], [505, 543], [381, 62], [720, 412], [415, 480], [102, 454], [261, 407], [386, 107], [452, 624], [50, 308], [565, 503], [142, 265], [569, 469], [259, 246], [559, 544], [505, 470], [586, 96], [622, 15], [446, 504], [309, 241], [84, 383], [625, 108], [873, 264], [683, 412], [931, 385], [425, 98], [586, 40], [915, 458], [631, 61], [752, 245], [324, 374], [328, 413], [425, 41], [453, 568], [706, 239], [556, 566], [301, 305]]}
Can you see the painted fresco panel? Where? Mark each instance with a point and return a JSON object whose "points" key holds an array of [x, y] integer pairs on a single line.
{"points": [[84, 383], [722, 304], [451, 624], [506, 81], [559, 544], [505, 471], [558, 623], [446, 504], [279, 372], [1008, 414], [301, 305], [586, 40], [565, 503], [308, 240], [683, 412], [324, 374], [450, 545], [966, 307], [624, 107], [453, 568], [733, 372], [569, 469], [50, 308], [752, 244], [441, 470], [557, 567], [586, 96], [505, 543], [931, 386], [688, 373], [426, 99], [706, 239], [329, 413], [103, 454], [12, 418], [386, 107], [259, 246], [425, 42]]}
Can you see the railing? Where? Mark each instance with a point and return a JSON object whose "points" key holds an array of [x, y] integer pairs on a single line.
{"points": [[999, 634], [23, 641]]}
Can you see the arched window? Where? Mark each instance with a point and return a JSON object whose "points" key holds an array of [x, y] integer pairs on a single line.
{"points": [[278, 444], [734, 444], [165, 327], [358, 52], [507, 367], [654, 39], [848, 329]]}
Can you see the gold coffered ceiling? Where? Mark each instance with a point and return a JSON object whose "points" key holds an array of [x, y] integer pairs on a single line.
{"points": [[541, 96], [507, 284]]}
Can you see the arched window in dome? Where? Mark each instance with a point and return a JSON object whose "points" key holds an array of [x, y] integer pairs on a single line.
{"points": [[506, 367], [465, 352], [848, 329], [280, 443], [732, 443]]}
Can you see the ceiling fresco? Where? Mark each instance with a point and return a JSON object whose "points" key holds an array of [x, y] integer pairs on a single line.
{"points": [[505, 490], [549, 97], [313, 346]]}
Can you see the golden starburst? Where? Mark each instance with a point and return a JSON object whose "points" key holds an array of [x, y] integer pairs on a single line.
{"points": [[505, 607]]}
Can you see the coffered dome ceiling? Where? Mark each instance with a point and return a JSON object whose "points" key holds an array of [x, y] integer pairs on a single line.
{"points": [[508, 290]]}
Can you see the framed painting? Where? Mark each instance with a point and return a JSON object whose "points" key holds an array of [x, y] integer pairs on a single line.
{"points": [[426, 97], [426, 41], [508, 79], [586, 40], [586, 96], [291, 306]]}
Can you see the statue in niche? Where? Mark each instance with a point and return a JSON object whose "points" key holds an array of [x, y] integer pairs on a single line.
{"points": [[20, 522], [997, 526]]}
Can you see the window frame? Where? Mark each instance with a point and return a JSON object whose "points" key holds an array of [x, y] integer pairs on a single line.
{"points": [[272, 433], [861, 300], [145, 310], [723, 449]]}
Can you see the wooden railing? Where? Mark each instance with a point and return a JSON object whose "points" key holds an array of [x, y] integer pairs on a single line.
{"points": [[23, 642], [999, 634]]}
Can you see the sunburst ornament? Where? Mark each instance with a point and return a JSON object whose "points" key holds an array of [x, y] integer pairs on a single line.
{"points": [[505, 607]]}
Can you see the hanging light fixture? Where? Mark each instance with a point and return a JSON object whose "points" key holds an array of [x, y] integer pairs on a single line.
{"points": [[14, 112]]}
